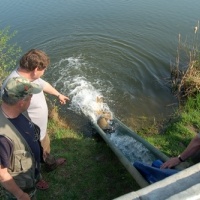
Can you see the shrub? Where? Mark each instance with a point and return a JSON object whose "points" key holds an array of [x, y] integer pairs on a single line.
{"points": [[8, 52]]}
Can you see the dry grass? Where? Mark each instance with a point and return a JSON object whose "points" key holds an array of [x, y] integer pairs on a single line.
{"points": [[186, 83], [185, 73], [54, 114]]}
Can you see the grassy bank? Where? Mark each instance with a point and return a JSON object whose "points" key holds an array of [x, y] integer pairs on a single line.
{"points": [[177, 132]]}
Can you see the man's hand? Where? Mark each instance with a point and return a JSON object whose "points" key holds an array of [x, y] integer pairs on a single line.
{"points": [[24, 196], [171, 163], [63, 99]]}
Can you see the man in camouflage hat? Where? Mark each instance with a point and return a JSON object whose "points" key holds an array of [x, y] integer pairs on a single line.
{"points": [[20, 149]]}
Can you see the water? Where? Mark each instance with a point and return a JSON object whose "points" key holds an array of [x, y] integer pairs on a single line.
{"points": [[84, 101], [131, 148], [118, 49]]}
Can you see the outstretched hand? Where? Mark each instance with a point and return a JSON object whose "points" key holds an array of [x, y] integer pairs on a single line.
{"points": [[63, 99]]}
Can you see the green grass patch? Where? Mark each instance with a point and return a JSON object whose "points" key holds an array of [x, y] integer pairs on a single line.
{"points": [[179, 131], [92, 171]]}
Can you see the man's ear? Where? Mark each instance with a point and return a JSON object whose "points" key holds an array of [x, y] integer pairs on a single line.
{"points": [[36, 69], [34, 72], [20, 103]]}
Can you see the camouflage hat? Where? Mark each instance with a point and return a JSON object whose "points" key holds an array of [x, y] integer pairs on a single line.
{"points": [[19, 88]]}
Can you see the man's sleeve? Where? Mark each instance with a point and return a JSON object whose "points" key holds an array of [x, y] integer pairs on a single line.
{"points": [[6, 149], [41, 82]]}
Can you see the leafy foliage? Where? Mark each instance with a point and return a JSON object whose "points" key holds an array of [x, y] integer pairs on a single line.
{"points": [[8, 52]]}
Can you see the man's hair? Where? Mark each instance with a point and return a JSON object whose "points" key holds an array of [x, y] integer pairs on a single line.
{"points": [[34, 58], [9, 101]]}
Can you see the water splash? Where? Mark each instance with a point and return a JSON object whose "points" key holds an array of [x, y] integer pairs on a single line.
{"points": [[131, 148], [84, 96], [73, 75], [84, 99]]}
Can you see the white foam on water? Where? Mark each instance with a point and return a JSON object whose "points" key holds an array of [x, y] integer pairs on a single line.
{"points": [[84, 99], [131, 148], [83, 95]]}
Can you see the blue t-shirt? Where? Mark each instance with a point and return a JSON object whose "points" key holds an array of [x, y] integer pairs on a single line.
{"points": [[28, 131], [6, 149]]}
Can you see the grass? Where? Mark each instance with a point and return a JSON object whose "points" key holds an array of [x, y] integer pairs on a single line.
{"points": [[178, 132], [92, 170]]}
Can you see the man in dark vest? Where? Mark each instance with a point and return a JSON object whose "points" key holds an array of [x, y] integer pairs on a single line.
{"points": [[20, 149]]}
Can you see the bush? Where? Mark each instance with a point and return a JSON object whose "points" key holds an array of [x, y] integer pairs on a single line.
{"points": [[8, 53]]}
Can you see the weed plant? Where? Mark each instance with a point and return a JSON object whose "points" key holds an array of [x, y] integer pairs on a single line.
{"points": [[185, 73]]}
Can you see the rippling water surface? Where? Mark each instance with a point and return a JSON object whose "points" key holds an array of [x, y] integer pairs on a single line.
{"points": [[120, 49]]}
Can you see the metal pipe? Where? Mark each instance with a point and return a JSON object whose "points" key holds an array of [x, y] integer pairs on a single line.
{"points": [[127, 164], [131, 169], [150, 147], [158, 154]]}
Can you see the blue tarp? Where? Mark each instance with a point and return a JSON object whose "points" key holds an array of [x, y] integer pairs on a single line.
{"points": [[153, 173]]}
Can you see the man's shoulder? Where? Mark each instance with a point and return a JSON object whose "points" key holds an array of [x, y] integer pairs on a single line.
{"points": [[40, 82], [11, 75]]}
